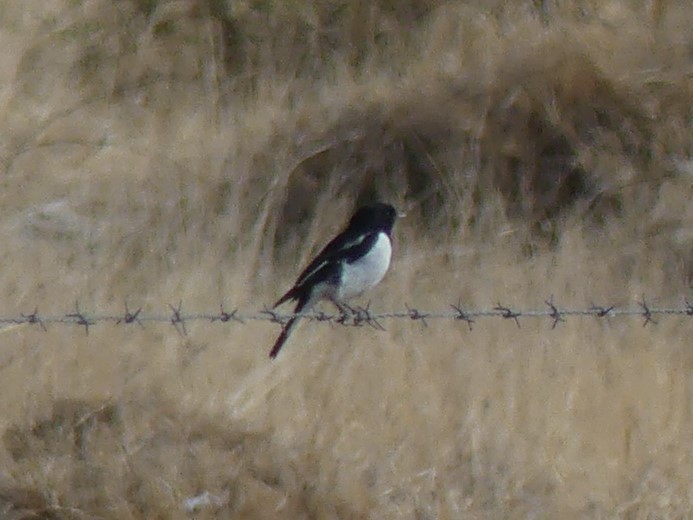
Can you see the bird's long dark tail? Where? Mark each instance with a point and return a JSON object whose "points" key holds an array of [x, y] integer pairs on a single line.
{"points": [[287, 329]]}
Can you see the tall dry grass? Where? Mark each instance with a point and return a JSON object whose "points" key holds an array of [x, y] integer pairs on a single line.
{"points": [[159, 151]]}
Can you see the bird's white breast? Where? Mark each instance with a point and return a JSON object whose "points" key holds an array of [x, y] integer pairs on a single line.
{"points": [[366, 272]]}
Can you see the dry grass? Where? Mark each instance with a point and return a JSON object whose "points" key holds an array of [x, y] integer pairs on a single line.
{"points": [[156, 151]]}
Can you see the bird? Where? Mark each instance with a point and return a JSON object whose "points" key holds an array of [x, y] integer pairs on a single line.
{"points": [[353, 262]]}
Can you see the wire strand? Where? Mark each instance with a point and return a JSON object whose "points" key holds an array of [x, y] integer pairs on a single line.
{"points": [[178, 318]]}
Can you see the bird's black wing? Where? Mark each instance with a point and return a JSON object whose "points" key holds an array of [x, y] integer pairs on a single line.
{"points": [[344, 247], [339, 246]]}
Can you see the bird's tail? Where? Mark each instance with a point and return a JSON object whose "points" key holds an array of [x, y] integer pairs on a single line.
{"points": [[287, 329]]}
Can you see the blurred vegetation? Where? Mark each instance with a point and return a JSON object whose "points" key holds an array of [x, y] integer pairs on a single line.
{"points": [[442, 105]]}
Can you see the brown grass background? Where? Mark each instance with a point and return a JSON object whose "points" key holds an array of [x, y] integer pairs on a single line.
{"points": [[153, 151]]}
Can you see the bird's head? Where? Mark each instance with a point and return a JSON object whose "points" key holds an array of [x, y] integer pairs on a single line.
{"points": [[379, 216]]}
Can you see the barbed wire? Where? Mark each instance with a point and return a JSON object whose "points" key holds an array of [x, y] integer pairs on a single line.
{"points": [[358, 316]]}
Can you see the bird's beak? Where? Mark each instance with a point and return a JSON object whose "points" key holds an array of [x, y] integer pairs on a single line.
{"points": [[401, 214]]}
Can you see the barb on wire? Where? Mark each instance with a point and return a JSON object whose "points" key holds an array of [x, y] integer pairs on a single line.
{"points": [[130, 317], [414, 314], [32, 319], [177, 319], [462, 315], [364, 315], [555, 313], [274, 316], [357, 316], [646, 313], [508, 314], [80, 319], [601, 312], [226, 316]]}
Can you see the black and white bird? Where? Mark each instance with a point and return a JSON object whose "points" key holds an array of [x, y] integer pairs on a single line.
{"points": [[352, 263]]}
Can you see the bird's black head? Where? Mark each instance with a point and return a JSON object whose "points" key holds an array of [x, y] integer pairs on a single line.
{"points": [[378, 216]]}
